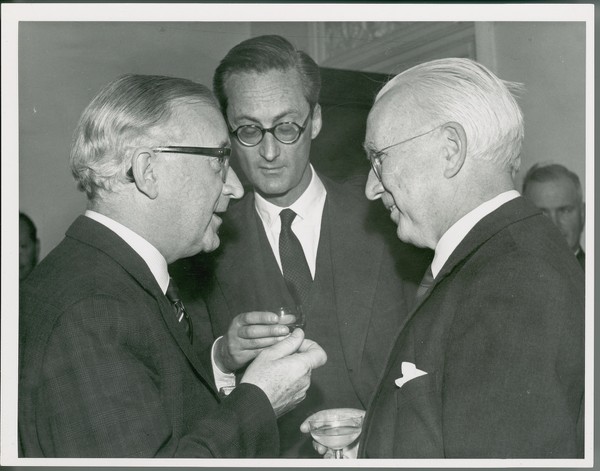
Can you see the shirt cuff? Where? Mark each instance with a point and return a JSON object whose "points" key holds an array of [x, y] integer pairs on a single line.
{"points": [[221, 379]]}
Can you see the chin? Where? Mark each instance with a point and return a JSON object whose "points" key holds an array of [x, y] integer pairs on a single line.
{"points": [[212, 245]]}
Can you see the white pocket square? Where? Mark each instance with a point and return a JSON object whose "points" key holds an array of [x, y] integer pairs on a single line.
{"points": [[409, 372]]}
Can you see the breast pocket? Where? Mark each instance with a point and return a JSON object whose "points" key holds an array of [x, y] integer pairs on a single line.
{"points": [[418, 426], [420, 388]]}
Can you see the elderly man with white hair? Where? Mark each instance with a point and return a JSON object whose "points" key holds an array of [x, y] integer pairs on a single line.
{"points": [[111, 365], [490, 362]]}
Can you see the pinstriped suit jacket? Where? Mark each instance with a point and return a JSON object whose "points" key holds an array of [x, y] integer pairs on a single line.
{"points": [[106, 371]]}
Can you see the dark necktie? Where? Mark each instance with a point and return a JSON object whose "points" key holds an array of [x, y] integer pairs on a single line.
{"points": [[181, 314], [426, 283], [295, 268]]}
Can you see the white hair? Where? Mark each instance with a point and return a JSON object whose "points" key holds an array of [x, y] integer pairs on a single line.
{"points": [[130, 111], [466, 92]]}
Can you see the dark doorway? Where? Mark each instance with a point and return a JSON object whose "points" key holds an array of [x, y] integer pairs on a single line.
{"points": [[346, 98]]}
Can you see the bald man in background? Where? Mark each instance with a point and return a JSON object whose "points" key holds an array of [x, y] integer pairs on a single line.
{"points": [[556, 191]]}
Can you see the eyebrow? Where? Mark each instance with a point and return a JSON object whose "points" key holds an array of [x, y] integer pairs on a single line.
{"points": [[276, 118]]}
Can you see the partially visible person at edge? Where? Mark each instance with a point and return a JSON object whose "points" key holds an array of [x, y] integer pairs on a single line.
{"points": [[29, 246], [490, 364], [556, 190], [357, 286], [110, 362]]}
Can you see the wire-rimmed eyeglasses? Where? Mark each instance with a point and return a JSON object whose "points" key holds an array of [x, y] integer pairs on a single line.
{"points": [[374, 156], [222, 154], [250, 135]]}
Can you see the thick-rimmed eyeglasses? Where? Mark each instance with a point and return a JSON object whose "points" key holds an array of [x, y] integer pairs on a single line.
{"points": [[222, 154], [250, 135], [375, 156]]}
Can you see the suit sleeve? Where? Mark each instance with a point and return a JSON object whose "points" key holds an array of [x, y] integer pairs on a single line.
{"points": [[103, 394], [513, 376]]}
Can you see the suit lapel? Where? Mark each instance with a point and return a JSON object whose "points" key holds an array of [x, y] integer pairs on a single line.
{"points": [[509, 213], [355, 262], [92, 233]]}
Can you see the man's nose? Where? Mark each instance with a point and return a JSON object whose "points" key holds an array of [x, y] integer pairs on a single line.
{"points": [[553, 215], [373, 189], [232, 186], [269, 147]]}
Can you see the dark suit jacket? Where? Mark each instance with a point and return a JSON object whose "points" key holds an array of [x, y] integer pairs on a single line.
{"points": [[374, 278], [501, 337], [106, 371]]}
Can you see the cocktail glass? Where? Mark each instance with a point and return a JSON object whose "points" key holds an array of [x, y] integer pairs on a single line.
{"points": [[336, 428]]}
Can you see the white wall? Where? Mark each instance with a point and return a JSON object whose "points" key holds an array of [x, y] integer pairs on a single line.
{"points": [[549, 58]]}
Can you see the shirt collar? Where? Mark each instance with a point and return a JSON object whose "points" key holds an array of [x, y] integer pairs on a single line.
{"points": [[150, 254], [459, 230], [269, 212]]}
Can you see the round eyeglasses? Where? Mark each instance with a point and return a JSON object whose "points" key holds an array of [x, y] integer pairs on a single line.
{"points": [[250, 135]]}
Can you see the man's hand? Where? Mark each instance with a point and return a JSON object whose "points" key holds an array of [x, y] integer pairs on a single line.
{"points": [[248, 334], [283, 370]]}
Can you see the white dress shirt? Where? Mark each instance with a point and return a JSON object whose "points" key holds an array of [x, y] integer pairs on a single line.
{"points": [[150, 254], [306, 225], [459, 230], [158, 266]]}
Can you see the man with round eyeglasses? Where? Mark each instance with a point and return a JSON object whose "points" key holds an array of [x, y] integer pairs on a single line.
{"points": [[112, 363], [343, 271]]}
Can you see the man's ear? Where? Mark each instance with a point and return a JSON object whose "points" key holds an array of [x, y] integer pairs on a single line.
{"points": [[144, 172], [455, 148], [316, 122]]}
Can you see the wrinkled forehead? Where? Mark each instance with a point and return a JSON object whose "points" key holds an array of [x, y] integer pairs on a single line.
{"points": [[272, 91], [190, 120], [555, 192], [390, 118]]}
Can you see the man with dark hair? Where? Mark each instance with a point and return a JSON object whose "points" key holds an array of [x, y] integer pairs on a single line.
{"points": [[300, 238], [556, 190], [111, 363], [29, 246]]}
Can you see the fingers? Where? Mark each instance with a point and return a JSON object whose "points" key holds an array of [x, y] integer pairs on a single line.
{"points": [[260, 328], [305, 427], [257, 317], [313, 353], [286, 347], [320, 449], [262, 332]]}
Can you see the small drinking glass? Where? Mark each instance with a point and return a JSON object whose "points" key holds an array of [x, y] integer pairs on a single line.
{"points": [[290, 316], [336, 428]]}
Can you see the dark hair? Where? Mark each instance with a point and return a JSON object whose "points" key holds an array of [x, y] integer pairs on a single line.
{"points": [[30, 226], [541, 173], [265, 53]]}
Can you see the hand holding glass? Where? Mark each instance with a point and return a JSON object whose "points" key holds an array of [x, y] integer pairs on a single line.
{"points": [[336, 428], [292, 317]]}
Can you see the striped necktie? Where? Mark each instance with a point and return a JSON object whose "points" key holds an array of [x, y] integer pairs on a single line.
{"points": [[181, 314]]}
